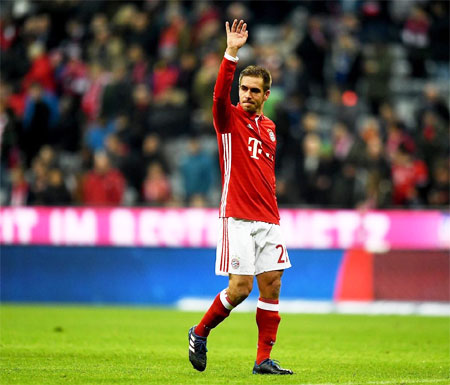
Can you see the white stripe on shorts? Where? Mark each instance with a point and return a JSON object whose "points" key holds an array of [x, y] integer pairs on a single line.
{"points": [[225, 256]]}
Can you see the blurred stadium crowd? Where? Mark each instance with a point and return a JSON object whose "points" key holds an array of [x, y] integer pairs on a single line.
{"points": [[109, 102]]}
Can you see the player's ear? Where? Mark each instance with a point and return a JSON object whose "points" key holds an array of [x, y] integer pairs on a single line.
{"points": [[266, 95]]}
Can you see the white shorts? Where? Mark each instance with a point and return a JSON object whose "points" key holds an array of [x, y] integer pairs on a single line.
{"points": [[249, 247]]}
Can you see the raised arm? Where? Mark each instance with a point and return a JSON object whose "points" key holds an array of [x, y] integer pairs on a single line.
{"points": [[236, 38]]}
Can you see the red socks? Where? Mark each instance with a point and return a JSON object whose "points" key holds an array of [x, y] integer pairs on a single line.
{"points": [[219, 310], [267, 319]]}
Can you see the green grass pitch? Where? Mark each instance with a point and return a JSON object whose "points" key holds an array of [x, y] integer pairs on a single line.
{"points": [[116, 345]]}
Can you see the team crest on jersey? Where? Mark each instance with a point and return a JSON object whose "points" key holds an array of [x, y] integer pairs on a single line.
{"points": [[235, 263], [272, 135]]}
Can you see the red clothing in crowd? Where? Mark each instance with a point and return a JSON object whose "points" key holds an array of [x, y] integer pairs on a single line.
{"points": [[156, 190], [41, 72], [103, 189], [405, 178], [19, 194]]}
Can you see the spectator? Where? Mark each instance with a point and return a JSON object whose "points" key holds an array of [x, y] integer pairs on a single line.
{"points": [[9, 154], [73, 75], [152, 153], [96, 134], [346, 58], [41, 70], [91, 100], [139, 67], [116, 97], [313, 51], [140, 114], [67, 133], [145, 33], [440, 185], [377, 176], [97, 48], [203, 88], [432, 138], [197, 171], [41, 114], [38, 182], [431, 100], [56, 192], [126, 161], [188, 66], [375, 20], [170, 115], [103, 185], [313, 171], [409, 176], [377, 70], [156, 188], [48, 157], [19, 188], [343, 143], [415, 36], [439, 35], [165, 76]]}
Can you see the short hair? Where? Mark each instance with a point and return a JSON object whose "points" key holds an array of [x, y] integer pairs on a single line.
{"points": [[257, 72]]}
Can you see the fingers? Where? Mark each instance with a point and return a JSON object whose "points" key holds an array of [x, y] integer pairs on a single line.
{"points": [[240, 27], [233, 27]]}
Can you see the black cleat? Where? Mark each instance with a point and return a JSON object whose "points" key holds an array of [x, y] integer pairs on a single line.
{"points": [[197, 350], [269, 366]]}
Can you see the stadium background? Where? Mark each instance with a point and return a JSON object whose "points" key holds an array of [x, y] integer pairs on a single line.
{"points": [[108, 104]]}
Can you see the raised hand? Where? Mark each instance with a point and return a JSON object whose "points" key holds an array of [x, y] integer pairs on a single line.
{"points": [[236, 36]]}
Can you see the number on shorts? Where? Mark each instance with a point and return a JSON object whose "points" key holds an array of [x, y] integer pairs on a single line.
{"points": [[281, 260]]}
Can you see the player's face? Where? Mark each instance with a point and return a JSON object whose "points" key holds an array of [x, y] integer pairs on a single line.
{"points": [[252, 95]]}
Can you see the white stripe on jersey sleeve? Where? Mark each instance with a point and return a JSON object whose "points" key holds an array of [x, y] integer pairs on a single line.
{"points": [[226, 142]]}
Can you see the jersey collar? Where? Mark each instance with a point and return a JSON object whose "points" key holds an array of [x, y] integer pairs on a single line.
{"points": [[250, 115]]}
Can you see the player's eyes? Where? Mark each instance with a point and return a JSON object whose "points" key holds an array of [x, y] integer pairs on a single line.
{"points": [[252, 90]]}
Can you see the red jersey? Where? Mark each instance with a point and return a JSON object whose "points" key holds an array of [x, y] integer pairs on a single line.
{"points": [[247, 145]]}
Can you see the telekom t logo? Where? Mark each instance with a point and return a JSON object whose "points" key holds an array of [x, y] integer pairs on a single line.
{"points": [[254, 146]]}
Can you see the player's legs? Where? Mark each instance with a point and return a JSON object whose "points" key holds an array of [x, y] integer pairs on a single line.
{"points": [[217, 312], [271, 260], [267, 315], [235, 258], [268, 319], [239, 287]]}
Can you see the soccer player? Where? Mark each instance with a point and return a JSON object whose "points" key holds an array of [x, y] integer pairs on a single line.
{"points": [[250, 242]]}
